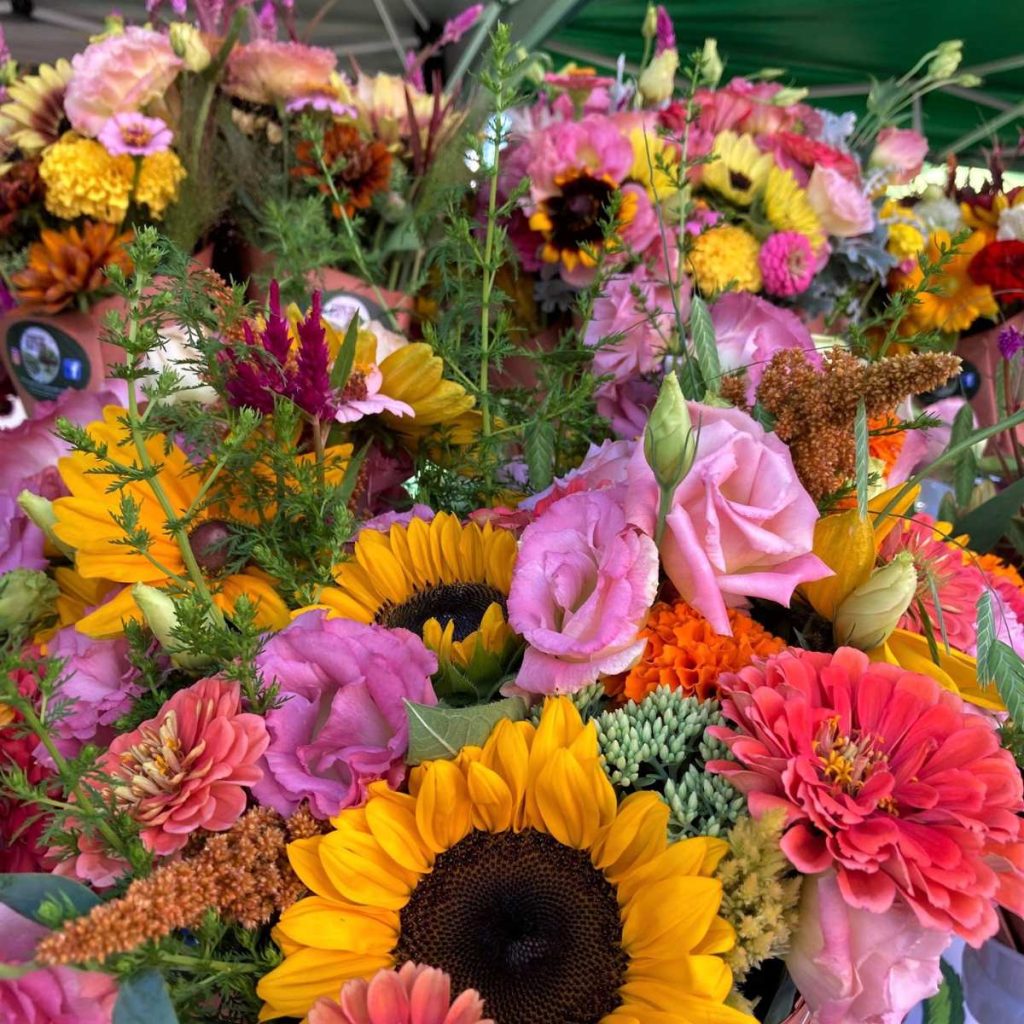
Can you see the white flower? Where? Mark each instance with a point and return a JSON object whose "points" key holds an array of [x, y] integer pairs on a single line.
{"points": [[1011, 225]]}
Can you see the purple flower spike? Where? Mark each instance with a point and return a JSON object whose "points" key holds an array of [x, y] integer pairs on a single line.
{"points": [[666, 31], [1010, 341]]}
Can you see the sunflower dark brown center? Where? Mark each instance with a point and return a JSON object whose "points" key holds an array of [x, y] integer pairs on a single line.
{"points": [[739, 181], [209, 543], [577, 214], [529, 923], [461, 603]]}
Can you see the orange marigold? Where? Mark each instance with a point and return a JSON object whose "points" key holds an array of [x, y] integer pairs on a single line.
{"points": [[359, 168], [886, 447], [684, 652]]}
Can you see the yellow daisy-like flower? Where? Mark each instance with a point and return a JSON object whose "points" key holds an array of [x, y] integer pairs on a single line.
{"points": [[33, 118], [723, 257], [655, 164], [513, 869], [907, 237], [788, 209], [86, 523], [159, 180], [738, 170], [446, 582], [957, 301]]}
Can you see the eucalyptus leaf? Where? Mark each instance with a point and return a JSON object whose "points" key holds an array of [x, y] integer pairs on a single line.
{"points": [[439, 733], [987, 524], [27, 892], [144, 999], [702, 331]]}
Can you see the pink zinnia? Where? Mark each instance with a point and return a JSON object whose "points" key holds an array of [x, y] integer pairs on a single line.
{"points": [[135, 135], [787, 263], [885, 777], [362, 396], [413, 994], [190, 766]]}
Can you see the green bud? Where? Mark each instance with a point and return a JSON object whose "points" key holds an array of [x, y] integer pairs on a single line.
{"points": [[161, 616], [968, 81], [711, 66], [947, 59], [187, 43], [27, 599], [788, 95], [113, 25], [40, 511], [649, 29], [669, 440], [870, 613]]}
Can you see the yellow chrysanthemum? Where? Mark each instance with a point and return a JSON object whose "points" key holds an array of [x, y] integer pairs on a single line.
{"points": [[86, 523], [33, 118], [907, 237], [725, 257], [738, 169], [83, 180], [788, 209], [513, 869], [442, 580], [956, 301]]}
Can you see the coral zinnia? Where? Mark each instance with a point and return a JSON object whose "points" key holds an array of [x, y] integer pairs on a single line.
{"points": [[415, 994], [188, 767], [441, 580], [514, 869], [65, 265], [684, 653], [359, 168], [885, 777], [86, 522]]}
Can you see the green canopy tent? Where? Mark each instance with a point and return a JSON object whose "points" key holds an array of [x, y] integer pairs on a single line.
{"points": [[833, 47]]}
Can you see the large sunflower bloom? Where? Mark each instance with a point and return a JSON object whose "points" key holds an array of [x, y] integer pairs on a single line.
{"points": [[86, 522], [444, 581], [513, 869]]}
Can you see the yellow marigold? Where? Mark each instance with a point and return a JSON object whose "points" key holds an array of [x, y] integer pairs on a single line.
{"points": [[788, 209], [684, 652], [83, 180], [725, 256], [906, 233], [161, 175]]}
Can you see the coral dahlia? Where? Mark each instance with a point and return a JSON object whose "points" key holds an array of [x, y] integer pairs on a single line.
{"points": [[885, 777]]}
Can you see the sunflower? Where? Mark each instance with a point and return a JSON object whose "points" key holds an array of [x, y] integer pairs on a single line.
{"points": [[956, 301], [444, 581], [788, 209], [33, 118], [738, 170], [86, 523], [513, 869]]}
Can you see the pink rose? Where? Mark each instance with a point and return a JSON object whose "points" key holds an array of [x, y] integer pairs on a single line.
{"points": [[856, 966], [740, 525], [749, 331], [842, 208], [900, 152], [50, 995], [581, 589]]}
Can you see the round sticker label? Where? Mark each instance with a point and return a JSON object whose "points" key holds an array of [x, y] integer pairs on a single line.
{"points": [[340, 307], [45, 360]]}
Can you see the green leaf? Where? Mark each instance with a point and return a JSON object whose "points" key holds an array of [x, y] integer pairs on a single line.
{"points": [[947, 1005], [987, 523], [342, 369], [26, 893], [437, 732], [860, 438], [986, 637], [348, 485], [1006, 667], [404, 238], [144, 999], [965, 469], [540, 453], [702, 331]]}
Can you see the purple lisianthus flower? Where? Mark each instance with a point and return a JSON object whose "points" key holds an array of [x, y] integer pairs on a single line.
{"points": [[1010, 341], [135, 135], [342, 723], [321, 101]]}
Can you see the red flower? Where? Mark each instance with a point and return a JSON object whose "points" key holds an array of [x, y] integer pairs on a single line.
{"points": [[1000, 265], [885, 777], [809, 152]]}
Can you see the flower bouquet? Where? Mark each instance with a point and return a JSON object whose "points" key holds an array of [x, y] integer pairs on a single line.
{"points": [[347, 679]]}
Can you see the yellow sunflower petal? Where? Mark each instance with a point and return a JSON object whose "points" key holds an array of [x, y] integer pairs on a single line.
{"points": [[443, 806], [342, 929], [360, 870], [391, 818], [304, 857], [507, 753], [492, 799], [636, 836], [670, 916]]}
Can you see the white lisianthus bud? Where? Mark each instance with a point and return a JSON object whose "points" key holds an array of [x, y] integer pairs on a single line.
{"points": [[27, 599], [161, 616], [649, 28], [658, 79], [870, 613], [711, 66], [947, 59], [40, 511], [187, 43], [669, 440]]}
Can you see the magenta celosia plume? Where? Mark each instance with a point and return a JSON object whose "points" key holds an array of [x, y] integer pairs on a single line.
{"points": [[190, 766], [342, 722], [886, 778]]}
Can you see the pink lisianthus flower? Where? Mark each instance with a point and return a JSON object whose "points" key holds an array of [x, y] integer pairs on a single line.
{"points": [[209, 749], [361, 397], [411, 994], [841, 206], [136, 135], [801, 154], [605, 468], [93, 863], [886, 778], [900, 152], [581, 589], [626, 405], [740, 524], [787, 263], [267, 72], [49, 995], [750, 330], [117, 75], [342, 724], [854, 966]]}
